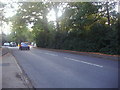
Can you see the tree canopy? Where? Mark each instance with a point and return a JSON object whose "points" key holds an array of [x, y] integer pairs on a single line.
{"points": [[83, 26]]}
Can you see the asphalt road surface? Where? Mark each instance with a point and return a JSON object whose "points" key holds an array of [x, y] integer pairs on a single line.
{"points": [[49, 69]]}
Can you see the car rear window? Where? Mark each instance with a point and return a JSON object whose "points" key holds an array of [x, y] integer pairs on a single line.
{"points": [[24, 44]]}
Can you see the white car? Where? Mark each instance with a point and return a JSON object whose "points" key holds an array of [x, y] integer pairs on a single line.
{"points": [[13, 44], [6, 44]]}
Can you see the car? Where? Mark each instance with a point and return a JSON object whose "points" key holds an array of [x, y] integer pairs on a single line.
{"points": [[13, 44], [24, 46], [6, 44]]}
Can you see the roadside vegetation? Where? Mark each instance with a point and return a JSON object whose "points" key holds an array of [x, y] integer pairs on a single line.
{"points": [[83, 26]]}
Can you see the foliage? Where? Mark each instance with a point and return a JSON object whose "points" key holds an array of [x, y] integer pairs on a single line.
{"points": [[82, 26]]}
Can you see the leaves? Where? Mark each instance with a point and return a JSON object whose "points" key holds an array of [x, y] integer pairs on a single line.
{"points": [[81, 27]]}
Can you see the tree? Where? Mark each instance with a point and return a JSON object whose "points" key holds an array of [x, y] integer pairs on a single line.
{"points": [[82, 26]]}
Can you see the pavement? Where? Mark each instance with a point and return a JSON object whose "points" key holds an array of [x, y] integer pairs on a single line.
{"points": [[51, 69], [0, 69], [5, 50], [12, 75]]}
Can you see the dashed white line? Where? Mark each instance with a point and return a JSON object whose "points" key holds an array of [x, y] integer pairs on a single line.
{"points": [[84, 62], [76, 60], [51, 54]]}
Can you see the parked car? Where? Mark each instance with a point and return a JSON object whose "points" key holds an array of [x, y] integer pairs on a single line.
{"points": [[13, 44], [6, 44], [24, 46]]}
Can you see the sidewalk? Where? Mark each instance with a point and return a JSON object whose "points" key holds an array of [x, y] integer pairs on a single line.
{"points": [[0, 68], [11, 73], [4, 50]]}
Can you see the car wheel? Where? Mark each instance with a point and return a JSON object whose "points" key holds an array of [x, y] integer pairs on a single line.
{"points": [[20, 48], [28, 48]]}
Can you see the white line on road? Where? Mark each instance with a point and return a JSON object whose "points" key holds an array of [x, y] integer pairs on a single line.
{"points": [[51, 54], [84, 62]]}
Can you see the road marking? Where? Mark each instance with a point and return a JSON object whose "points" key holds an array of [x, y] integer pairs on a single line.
{"points": [[51, 54], [84, 62]]}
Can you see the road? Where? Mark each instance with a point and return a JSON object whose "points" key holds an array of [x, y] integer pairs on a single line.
{"points": [[50, 69]]}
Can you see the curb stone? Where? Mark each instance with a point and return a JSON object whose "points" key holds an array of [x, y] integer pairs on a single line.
{"points": [[5, 51], [24, 77]]}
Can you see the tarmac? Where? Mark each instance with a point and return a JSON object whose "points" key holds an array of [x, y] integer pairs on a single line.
{"points": [[91, 54], [12, 75]]}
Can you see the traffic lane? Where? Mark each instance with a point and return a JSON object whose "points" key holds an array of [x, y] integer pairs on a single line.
{"points": [[43, 76], [110, 64], [63, 73], [111, 69]]}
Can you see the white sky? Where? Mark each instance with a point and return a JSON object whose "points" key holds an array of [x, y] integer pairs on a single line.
{"points": [[9, 12]]}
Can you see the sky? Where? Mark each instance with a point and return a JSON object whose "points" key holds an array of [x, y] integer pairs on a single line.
{"points": [[9, 12]]}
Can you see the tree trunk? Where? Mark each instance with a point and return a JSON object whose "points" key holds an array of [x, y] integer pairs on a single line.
{"points": [[56, 15], [108, 14]]}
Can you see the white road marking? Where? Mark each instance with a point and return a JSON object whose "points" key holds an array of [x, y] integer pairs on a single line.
{"points": [[51, 54], [75, 60], [41, 52], [84, 62]]}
